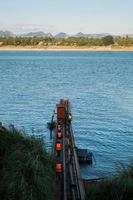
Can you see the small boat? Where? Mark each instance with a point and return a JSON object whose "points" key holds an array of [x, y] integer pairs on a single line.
{"points": [[84, 156]]}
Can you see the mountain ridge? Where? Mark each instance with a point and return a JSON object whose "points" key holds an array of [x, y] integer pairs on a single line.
{"points": [[6, 34]]}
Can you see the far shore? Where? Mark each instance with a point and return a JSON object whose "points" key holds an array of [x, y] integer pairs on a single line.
{"points": [[66, 48]]}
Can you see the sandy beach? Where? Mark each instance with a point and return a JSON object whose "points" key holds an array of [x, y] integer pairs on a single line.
{"points": [[66, 48]]}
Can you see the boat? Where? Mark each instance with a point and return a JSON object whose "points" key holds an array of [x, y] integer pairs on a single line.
{"points": [[84, 156]]}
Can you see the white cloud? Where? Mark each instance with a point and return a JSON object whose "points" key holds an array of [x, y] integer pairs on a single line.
{"points": [[23, 28]]}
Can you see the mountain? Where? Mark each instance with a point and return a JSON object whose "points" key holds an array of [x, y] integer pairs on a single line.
{"points": [[6, 34], [61, 35], [80, 34], [100, 35], [127, 35], [37, 34]]}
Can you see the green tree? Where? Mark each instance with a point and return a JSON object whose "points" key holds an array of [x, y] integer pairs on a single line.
{"points": [[108, 40]]}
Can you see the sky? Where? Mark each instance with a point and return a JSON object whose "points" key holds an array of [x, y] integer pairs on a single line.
{"points": [[70, 16]]}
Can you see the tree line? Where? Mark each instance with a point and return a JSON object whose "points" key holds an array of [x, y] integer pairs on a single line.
{"points": [[71, 41]]}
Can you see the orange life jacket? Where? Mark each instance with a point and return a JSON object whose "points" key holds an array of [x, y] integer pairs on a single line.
{"points": [[58, 146], [58, 168]]}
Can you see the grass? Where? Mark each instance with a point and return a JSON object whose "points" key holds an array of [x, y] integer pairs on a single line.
{"points": [[119, 187], [25, 167], [26, 172]]}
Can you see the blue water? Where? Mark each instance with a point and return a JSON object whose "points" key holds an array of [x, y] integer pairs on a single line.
{"points": [[99, 86]]}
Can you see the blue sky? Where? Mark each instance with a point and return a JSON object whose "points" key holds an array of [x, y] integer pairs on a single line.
{"points": [[71, 16]]}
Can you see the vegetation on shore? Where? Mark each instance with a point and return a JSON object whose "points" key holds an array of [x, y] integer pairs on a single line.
{"points": [[71, 41], [26, 171], [119, 187]]}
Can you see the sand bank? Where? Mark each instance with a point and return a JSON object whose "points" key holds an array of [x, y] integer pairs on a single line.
{"points": [[65, 48]]}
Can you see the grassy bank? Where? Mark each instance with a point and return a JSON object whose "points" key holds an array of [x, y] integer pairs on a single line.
{"points": [[119, 187], [25, 167]]}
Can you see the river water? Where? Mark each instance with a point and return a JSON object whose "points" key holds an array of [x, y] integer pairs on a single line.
{"points": [[99, 86]]}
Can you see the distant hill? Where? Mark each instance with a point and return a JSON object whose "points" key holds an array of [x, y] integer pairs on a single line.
{"points": [[37, 34], [61, 35], [127, 35], [80, 34], [6, 34]]}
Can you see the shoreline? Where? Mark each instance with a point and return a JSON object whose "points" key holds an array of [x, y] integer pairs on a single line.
{"points": [[64, 48]]}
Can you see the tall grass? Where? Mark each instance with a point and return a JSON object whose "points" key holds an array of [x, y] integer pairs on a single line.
{"points": [[119, 187], [25, 167]]}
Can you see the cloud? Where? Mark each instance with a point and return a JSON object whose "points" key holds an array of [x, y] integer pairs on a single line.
{"points": [[23, 28]]}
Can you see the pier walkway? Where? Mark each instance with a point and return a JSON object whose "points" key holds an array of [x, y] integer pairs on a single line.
{"points": [[68, 180]]}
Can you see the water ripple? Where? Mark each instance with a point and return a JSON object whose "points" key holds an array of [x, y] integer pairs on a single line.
{"points": [[99, 85]]}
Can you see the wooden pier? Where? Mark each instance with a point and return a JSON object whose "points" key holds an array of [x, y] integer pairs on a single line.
{"points": [[68, 180]]}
